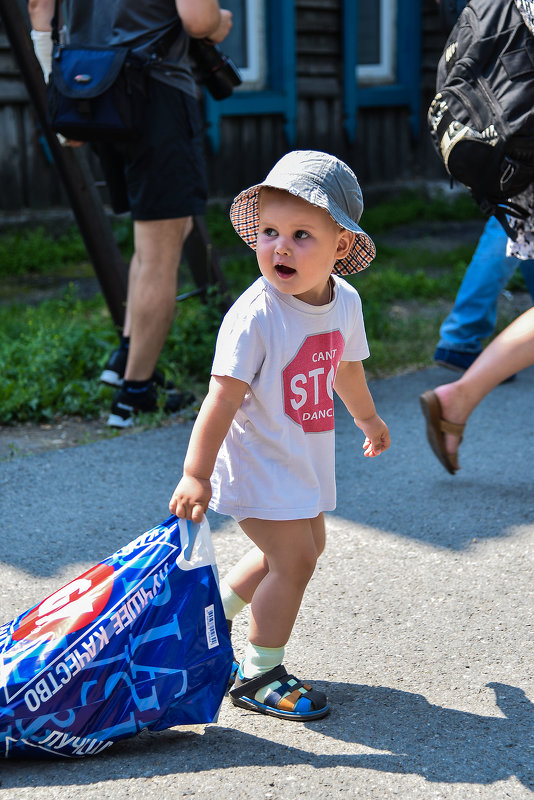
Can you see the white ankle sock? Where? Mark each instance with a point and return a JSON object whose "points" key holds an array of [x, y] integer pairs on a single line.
{"points": [[259, 660], [232, 603]]}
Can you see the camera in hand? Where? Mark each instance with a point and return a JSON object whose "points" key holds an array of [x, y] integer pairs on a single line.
{"points": [[216, 71]]}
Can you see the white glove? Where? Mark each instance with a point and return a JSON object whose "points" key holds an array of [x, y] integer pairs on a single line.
{"points": [[42, 44]]}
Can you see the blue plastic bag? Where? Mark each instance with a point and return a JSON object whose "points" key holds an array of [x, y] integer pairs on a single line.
{"points": [[139, 641]]}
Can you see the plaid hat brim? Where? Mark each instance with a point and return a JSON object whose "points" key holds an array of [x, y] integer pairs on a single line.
{"points": [[244, 215]]}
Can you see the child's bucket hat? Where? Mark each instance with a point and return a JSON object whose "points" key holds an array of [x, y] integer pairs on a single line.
{"points": [[322, 180]]}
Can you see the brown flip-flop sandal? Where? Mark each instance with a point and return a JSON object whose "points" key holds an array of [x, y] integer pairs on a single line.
{"points": [[436, 427]]}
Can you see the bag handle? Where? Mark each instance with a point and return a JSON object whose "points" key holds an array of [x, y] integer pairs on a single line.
{"points": [[197, 546]]}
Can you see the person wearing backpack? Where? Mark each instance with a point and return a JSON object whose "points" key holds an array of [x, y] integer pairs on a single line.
{"points": [[447, 408], [473, 316], [160, 177]]}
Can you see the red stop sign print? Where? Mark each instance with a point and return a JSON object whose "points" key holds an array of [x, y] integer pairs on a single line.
{"points": [[308, 382], [70, 608]]}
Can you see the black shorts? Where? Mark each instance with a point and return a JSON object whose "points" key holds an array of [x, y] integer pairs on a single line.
{"points": [[162, 175]]}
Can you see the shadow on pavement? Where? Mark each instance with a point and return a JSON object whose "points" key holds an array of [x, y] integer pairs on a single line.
{"points": [[407, 492], [440, 744], [416, 737], [81, 504]]}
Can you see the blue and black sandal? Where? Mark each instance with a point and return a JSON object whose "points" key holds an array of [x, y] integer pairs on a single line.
{"points": [[300, 703]]}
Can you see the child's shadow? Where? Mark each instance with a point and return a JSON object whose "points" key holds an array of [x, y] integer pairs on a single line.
{"points": [[441, 744]]}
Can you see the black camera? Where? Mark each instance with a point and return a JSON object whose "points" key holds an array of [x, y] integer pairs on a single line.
{"points": [[216, 71]]}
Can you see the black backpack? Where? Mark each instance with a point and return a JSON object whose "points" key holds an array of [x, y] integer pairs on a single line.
{"points": [[482, 118]]}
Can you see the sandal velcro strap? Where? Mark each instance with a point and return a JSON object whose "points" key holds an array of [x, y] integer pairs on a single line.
{"points": [[297, 704], [252, 685]]}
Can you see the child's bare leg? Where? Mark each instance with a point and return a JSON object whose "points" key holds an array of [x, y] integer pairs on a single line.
{"points": [[249, 571], [319, 533], [245, 577], [291, 549]]}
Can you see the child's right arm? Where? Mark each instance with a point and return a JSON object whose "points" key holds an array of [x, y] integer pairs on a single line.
{"points": [[191, 497]]}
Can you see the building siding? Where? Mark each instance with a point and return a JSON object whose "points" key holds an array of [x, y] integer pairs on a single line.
{"points": [[383, 150]]}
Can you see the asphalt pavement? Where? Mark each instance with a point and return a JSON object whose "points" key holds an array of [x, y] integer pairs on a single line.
{"points": [[418, 621]]}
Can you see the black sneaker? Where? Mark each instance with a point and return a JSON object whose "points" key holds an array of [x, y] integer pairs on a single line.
{"points": [[126, 405], [113, 372]]}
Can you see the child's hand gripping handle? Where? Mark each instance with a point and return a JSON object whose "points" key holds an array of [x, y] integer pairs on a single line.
{"points": [[190, 498]]}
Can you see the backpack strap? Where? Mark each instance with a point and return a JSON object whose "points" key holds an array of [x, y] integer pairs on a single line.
{"points": [[502, 211], [55, 23]]}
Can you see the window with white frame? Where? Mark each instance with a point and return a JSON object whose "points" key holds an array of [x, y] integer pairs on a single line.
{"points": [[376, 41], [245, 43]]}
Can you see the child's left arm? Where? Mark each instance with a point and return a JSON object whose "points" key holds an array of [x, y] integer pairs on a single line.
{"points": [[351, 386]]}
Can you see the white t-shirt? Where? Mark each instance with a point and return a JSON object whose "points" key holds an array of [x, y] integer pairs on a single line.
{"points": [[277, 460]]}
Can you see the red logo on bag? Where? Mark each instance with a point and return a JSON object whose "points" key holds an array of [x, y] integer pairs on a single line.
{"points": [[70, 608], [309, 382]]}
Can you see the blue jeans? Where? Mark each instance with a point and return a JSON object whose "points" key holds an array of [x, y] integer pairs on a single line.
{"points": [[475, 309]]}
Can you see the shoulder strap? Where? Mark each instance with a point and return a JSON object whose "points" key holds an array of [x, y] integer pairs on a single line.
{"points": [[158, 49], [55, 23]]}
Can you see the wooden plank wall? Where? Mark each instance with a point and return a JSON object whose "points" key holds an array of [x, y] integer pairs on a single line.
{"points": [[384, 149], [28, 178], [249, 147], [319, 118], [434, 39]]}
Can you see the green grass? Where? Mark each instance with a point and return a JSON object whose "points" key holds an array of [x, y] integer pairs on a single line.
{"points": [[52, 353], [34, 251], [38, 252], [409, 206], [394, 289]]}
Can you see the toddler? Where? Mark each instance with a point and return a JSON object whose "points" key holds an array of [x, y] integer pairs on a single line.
{"points": [[262, 447]]}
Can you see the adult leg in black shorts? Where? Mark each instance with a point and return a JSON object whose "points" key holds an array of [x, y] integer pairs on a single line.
{"points": [[161, 179]]}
